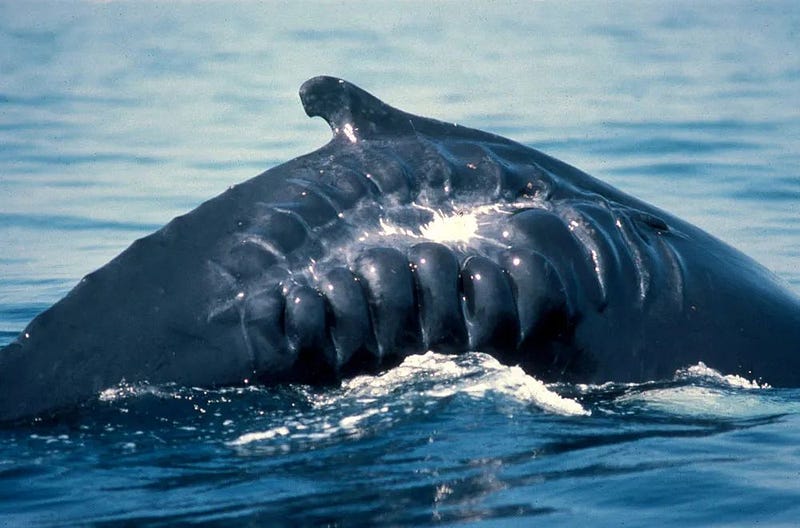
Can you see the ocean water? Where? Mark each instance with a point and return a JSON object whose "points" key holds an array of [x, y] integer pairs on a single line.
{"points": [[117, 116]]}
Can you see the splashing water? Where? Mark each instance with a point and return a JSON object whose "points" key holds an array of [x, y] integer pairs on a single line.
{"points": [[702, 372], [367, 403]]}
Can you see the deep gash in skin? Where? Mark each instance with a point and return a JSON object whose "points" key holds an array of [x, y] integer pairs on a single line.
{"points": [[405, 234]]}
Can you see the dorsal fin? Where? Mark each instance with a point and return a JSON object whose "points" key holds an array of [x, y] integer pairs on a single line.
{"points": [[353, 113]]}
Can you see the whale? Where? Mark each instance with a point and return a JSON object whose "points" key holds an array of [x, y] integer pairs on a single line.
{"points": [[405, 234]]}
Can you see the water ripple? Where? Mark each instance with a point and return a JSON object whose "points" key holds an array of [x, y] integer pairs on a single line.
{"points": [[70, 223]]}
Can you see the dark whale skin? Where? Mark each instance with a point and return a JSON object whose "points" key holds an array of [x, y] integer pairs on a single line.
{"points": [[294, 276]]}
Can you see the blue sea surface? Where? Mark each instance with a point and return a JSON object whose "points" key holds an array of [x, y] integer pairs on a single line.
{"points": [[117, 116]]}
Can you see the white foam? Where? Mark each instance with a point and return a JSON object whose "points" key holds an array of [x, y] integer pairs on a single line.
{"points": [[260, 436], [366, 402], [702, 371], [697, 401], [729, 395], [475, 374]]}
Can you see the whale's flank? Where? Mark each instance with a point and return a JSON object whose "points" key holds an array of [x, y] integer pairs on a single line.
{"points": [[336, 263]]}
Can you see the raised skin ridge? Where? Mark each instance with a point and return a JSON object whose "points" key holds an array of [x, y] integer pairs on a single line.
{"points": [[368, 312]]}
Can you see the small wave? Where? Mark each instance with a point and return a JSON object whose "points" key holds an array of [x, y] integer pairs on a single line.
{"points": [[367, 403], [70, 223], [475, 374], [701, 372], [701, 392], [299, 418], [705, 402]]}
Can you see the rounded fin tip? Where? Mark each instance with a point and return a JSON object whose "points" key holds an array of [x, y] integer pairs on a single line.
{"points": [[349, 110]]}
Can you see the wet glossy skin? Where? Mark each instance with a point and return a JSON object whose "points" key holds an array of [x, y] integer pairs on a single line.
{"points": [[330, 264]]}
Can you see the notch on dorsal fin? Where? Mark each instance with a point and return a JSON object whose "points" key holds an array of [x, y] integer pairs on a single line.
{"points": [[355, 114]]}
